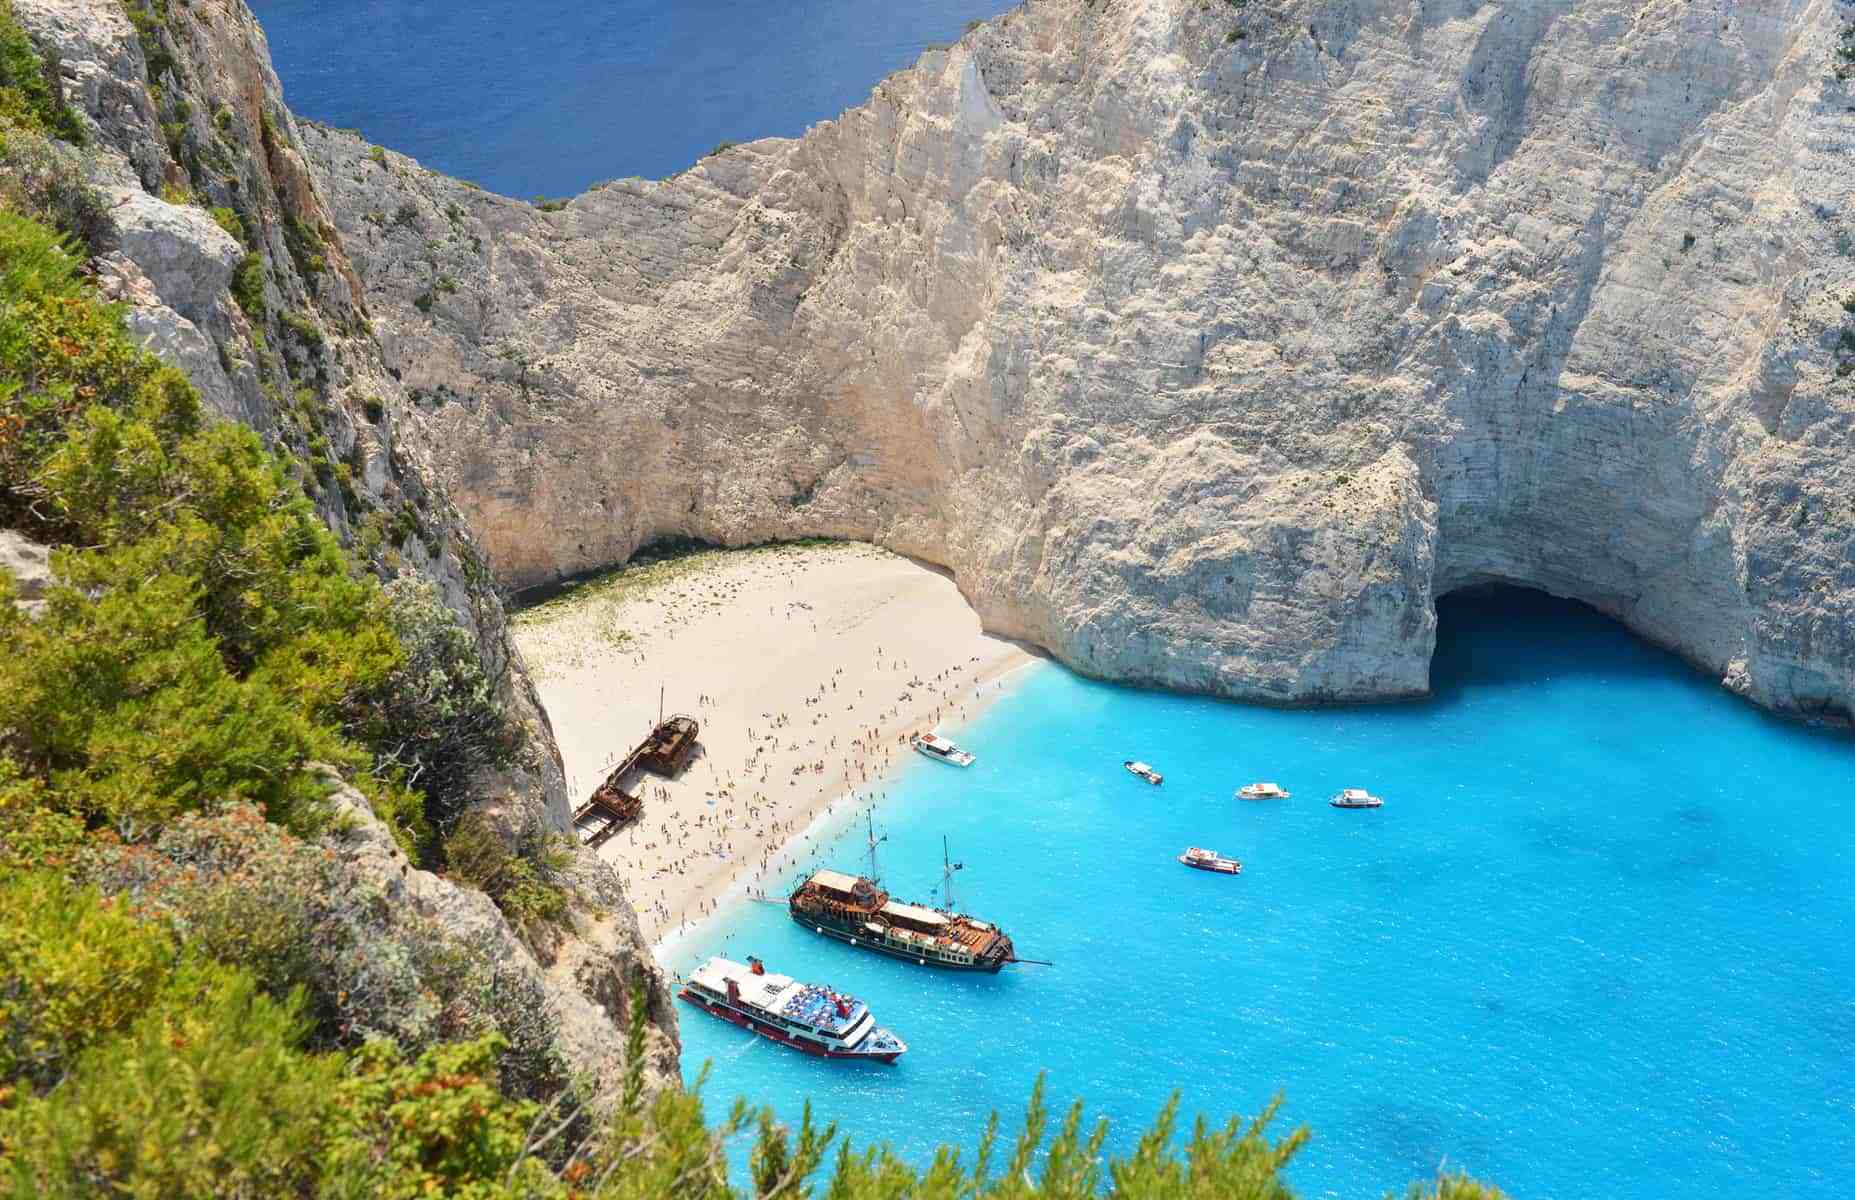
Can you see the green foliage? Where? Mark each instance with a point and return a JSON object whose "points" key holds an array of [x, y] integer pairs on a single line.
{"points": [[1455, 1187], [526, 879], [305, 245], [32, 836], [138, 1066], [135, 1064], [303, 328], [45, 179], [437, 1126], [207, 642], [248, 287], [72, 971], [304, 922], [229, 220], [31, 95], [61, 353], [149, 18], [435, 716]]}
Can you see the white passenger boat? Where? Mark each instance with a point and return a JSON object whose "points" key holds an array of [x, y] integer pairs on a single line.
{"points": [[1143, 771], [1356, 798], [805, 1016], [940, 749], [1262, 791], [1210, 860]]}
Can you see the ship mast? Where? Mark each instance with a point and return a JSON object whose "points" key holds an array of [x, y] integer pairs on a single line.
{"points": [[870, 823], [947, 868]]}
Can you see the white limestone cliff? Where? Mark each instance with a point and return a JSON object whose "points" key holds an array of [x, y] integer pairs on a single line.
{"points": [[1207, 343]]}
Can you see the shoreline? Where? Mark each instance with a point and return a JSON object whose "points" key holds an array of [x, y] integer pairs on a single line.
{"points": [[807, 666], [830, 818]]}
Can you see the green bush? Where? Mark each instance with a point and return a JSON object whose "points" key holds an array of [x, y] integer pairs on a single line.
{"points": [[138, 1067], [439, 1126], [229, 220], [31, 96], [149, 18], [305, 245], [45, 179], [72, 972], [244, 892], [435, 716], [205, 645], [248, 287], [304, 329], [525, 874]]}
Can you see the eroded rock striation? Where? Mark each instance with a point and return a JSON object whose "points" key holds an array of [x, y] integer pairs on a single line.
{"points": [[1206, 343]]}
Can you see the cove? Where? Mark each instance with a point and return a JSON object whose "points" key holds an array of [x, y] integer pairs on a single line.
{"points": [[551, 96], [1598, 942]]}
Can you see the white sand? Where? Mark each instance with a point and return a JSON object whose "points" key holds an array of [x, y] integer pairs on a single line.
{"points": [[807, 667]]}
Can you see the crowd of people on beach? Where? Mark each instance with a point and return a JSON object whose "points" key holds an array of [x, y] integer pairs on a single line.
{"points": [[759, 826]]}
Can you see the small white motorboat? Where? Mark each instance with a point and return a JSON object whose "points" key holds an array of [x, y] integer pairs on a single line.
{"points": [[1262, 791], [1145, 772], [1210, 860], [1356, 798], [940, 749]]}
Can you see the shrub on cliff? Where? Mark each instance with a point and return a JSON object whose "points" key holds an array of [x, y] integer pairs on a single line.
{"points": [[136, 1066], [524, 871], [31, 96], [303, 922], [435, 716], [211, 638]]}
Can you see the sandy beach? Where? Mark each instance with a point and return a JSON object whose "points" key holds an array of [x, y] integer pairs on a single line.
{"points": [[807, 665]]}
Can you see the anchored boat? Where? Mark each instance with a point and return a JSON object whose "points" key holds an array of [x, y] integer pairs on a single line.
{"points": [[1356, 798], [1262, 791], [805, 1016], [1143, 771], [1210, 860], [854, 910], [940, 749]]}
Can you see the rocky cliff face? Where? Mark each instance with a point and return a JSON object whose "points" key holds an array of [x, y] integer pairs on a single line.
{"points": [[216, 236], [1207, 343]]}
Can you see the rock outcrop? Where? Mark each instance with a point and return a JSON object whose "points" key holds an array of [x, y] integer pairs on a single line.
{"points": [[588, 989], [28, 565], [1206, 343], [212, 232]]}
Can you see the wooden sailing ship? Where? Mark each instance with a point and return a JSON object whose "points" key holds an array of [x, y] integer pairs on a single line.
{"points": [[855, 910]]}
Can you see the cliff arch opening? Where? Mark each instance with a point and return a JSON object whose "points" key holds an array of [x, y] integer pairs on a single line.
{"points": [[1508, 634]]}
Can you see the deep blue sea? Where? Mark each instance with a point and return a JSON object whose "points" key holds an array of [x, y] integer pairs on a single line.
{"points": [[544, 97], [1600, 941]]}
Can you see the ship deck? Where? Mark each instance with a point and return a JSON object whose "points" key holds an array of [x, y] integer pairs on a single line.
{"points": [[816, 1005]]}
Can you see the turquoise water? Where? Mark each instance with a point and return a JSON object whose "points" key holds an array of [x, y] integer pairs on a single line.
{"points": [[1598, 942], [530, 97]]}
